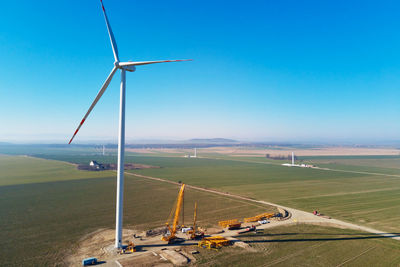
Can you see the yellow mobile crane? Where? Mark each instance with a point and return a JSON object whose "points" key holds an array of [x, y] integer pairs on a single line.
{"points": [[171, 237], [194, 234]]}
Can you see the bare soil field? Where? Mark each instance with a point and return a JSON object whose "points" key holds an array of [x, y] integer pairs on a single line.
{"points": [[159, 150], [324, 151], [149, 249]]}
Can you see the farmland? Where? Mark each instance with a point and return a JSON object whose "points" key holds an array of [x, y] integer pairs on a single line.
{"points": [[306, 245], [44, 215], [361, 198], [48, 205], [352, 195], [23, 170], [374, 164]]}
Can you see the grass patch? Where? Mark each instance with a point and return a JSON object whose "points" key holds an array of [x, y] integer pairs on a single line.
{"points": [[307, 245]]}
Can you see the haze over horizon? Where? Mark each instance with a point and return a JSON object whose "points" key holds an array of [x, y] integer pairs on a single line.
{"points": [[263, 71], [208, 141]]}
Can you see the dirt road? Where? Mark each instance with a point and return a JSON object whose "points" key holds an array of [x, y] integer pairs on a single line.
{"points": [[297, 216], [150, 248]]}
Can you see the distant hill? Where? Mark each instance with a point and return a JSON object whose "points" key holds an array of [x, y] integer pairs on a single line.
{"points": [[5, 143], [213, 141]]}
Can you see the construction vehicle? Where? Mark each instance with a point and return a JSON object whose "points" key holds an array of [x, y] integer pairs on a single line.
{"points": [[259, 217], [248, 229], [230, 224], [170, 236], [89, 261], [130, 248], [194, 233], [214, 242]]}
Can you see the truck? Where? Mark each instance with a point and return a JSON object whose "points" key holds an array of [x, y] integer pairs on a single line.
{"points": [[89, 261]]}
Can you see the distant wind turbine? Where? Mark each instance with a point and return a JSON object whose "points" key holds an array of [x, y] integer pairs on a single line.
{"points": [[123, 66]]}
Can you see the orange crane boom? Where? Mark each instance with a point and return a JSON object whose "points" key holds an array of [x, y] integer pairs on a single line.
{"points": [[172, 231]]}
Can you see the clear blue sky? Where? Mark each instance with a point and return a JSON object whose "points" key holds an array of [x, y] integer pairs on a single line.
{"points": [[263, 70]]}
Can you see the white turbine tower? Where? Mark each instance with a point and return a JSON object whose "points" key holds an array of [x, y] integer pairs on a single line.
{"points": [[123, 66], [292, 158]]}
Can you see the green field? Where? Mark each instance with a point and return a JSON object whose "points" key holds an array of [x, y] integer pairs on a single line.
{"points": [[42, 221], [375, 164], [24, 170], [362, 198], [307, 245], [367, 199], [49, 205]]}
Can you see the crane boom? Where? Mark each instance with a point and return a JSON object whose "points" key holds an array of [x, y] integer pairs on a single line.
{"points": [[195, 216], [178, 208], [193, 233]]}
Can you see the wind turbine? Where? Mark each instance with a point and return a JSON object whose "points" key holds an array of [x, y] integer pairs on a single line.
{"points": [[123, 66]]}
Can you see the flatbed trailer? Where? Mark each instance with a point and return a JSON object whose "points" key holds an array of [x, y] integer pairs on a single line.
{"points": [[230, 224]]}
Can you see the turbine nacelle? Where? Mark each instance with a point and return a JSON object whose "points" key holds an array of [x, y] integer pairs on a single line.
{"points": [[121, 66], [130, 68]]}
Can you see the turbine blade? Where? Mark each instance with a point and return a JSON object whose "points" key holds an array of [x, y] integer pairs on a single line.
{"points": [[110, 33], [99, 94], [150, 62]]}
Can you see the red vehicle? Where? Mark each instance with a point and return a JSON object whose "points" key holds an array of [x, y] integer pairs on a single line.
{"points": [[248, 229]]}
